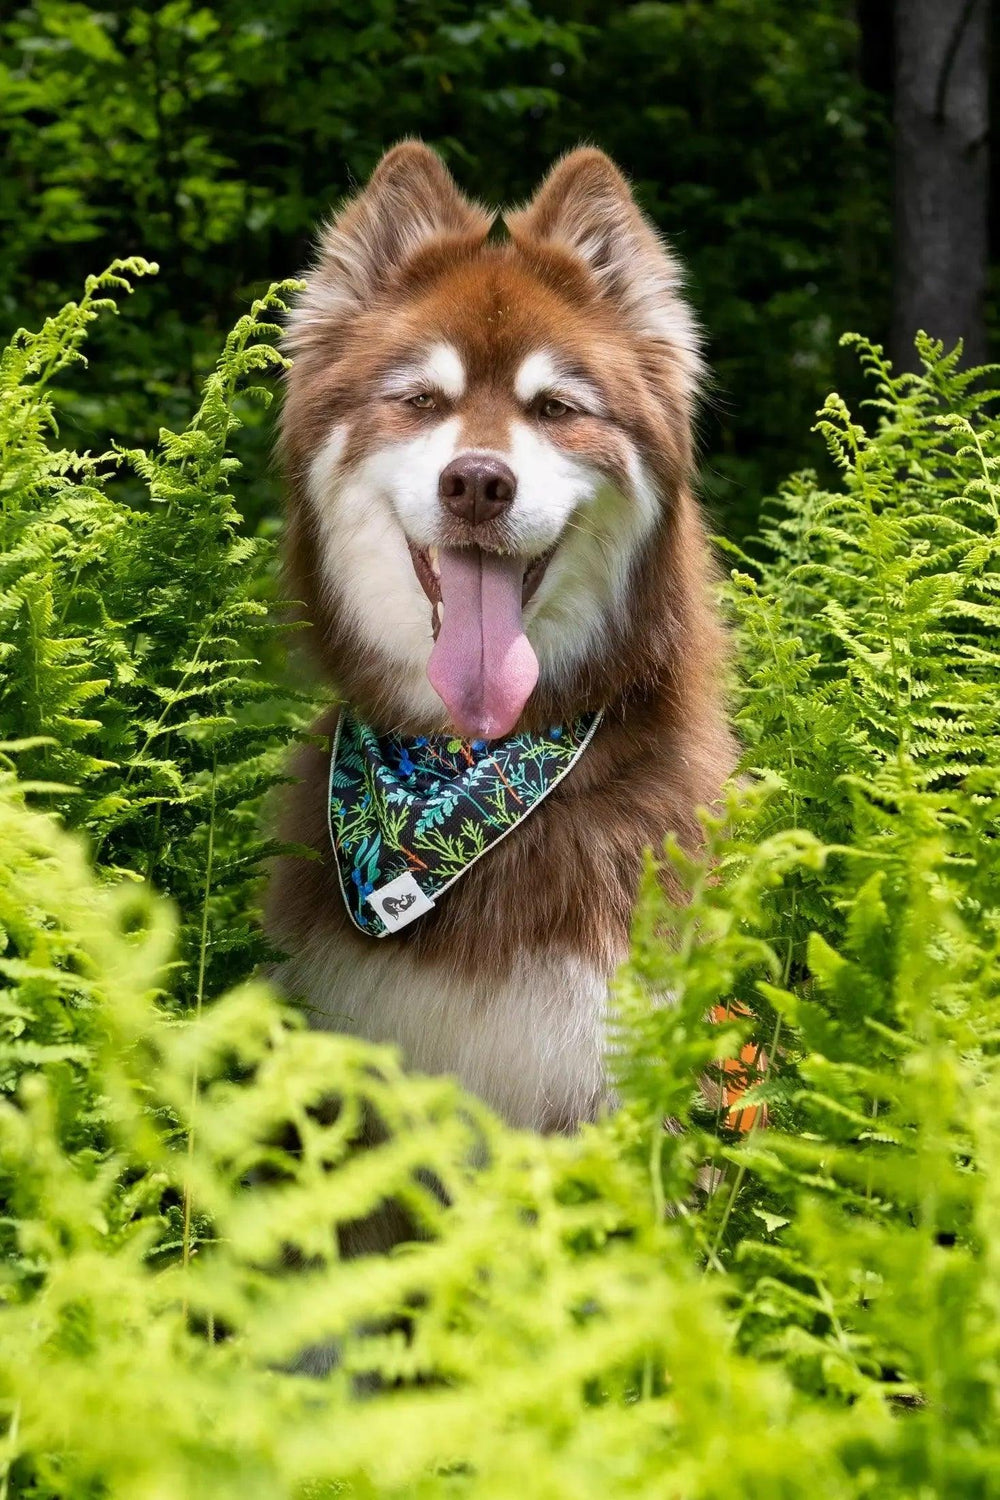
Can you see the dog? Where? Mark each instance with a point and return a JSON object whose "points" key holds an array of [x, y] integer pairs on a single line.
{"points": [[488, 447]]}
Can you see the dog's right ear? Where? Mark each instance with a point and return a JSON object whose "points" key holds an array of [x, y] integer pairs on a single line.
{"points": [[410, 199]]}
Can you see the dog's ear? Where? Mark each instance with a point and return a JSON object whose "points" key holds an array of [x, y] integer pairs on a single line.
{"points": [[410, 199], [585, 206]]}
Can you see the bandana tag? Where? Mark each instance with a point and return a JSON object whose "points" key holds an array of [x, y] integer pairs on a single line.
{"points": [[400, 902]]}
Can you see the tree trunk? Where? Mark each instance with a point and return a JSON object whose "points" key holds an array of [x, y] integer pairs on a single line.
{"points": [[941, 119]]}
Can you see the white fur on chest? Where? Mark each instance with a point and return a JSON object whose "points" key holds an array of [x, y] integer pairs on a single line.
{"points": [[530, 1044]]}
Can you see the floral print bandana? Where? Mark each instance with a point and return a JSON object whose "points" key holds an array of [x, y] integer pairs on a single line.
{"points": [[408, 817]]}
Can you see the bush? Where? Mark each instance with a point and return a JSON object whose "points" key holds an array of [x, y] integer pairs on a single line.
{"points": [[806, 1310]]}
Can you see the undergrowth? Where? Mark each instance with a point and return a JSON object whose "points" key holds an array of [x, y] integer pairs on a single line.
{"points": [[806, 1309]]}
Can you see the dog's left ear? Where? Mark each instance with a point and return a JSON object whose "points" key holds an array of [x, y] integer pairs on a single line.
{"points": [[585, 206]]}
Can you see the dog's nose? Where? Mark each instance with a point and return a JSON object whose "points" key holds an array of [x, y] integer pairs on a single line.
{"points": [[476, 487]]}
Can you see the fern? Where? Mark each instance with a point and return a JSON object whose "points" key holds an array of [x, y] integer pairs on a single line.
{"points": [[133, 623], [806, 1310]]}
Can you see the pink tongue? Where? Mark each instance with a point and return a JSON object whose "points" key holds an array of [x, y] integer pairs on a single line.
{"points": [[482, 666]]}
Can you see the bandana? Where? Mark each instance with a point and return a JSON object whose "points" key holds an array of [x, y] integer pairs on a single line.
{"points": [[408, 817]]}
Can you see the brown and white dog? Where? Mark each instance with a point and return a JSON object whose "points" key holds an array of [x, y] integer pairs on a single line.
{"points": [[518, 409]]}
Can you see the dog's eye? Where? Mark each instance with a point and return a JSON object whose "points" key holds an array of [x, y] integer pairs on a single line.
{"points": [[552, 407], [423, 401]]}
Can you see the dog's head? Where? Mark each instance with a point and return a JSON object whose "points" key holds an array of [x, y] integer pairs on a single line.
{"points": [[488, 441]]}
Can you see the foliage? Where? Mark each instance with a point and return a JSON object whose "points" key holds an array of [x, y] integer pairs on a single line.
{"points": [[223, 133], [810, 1309], [130, 629]]}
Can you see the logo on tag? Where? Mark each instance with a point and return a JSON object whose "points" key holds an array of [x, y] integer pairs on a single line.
{"points": [[399, 902]]}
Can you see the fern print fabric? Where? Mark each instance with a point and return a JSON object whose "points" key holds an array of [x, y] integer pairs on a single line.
{"points": [[408, 817]]}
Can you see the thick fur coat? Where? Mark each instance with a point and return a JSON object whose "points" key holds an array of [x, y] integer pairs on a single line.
{"points": [[562, 357]]}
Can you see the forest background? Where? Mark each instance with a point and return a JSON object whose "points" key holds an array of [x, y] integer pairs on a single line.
{"points": [[759, 135]]}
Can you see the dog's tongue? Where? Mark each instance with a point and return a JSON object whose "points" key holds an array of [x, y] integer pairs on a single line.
{"points": [[482, 666]]}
